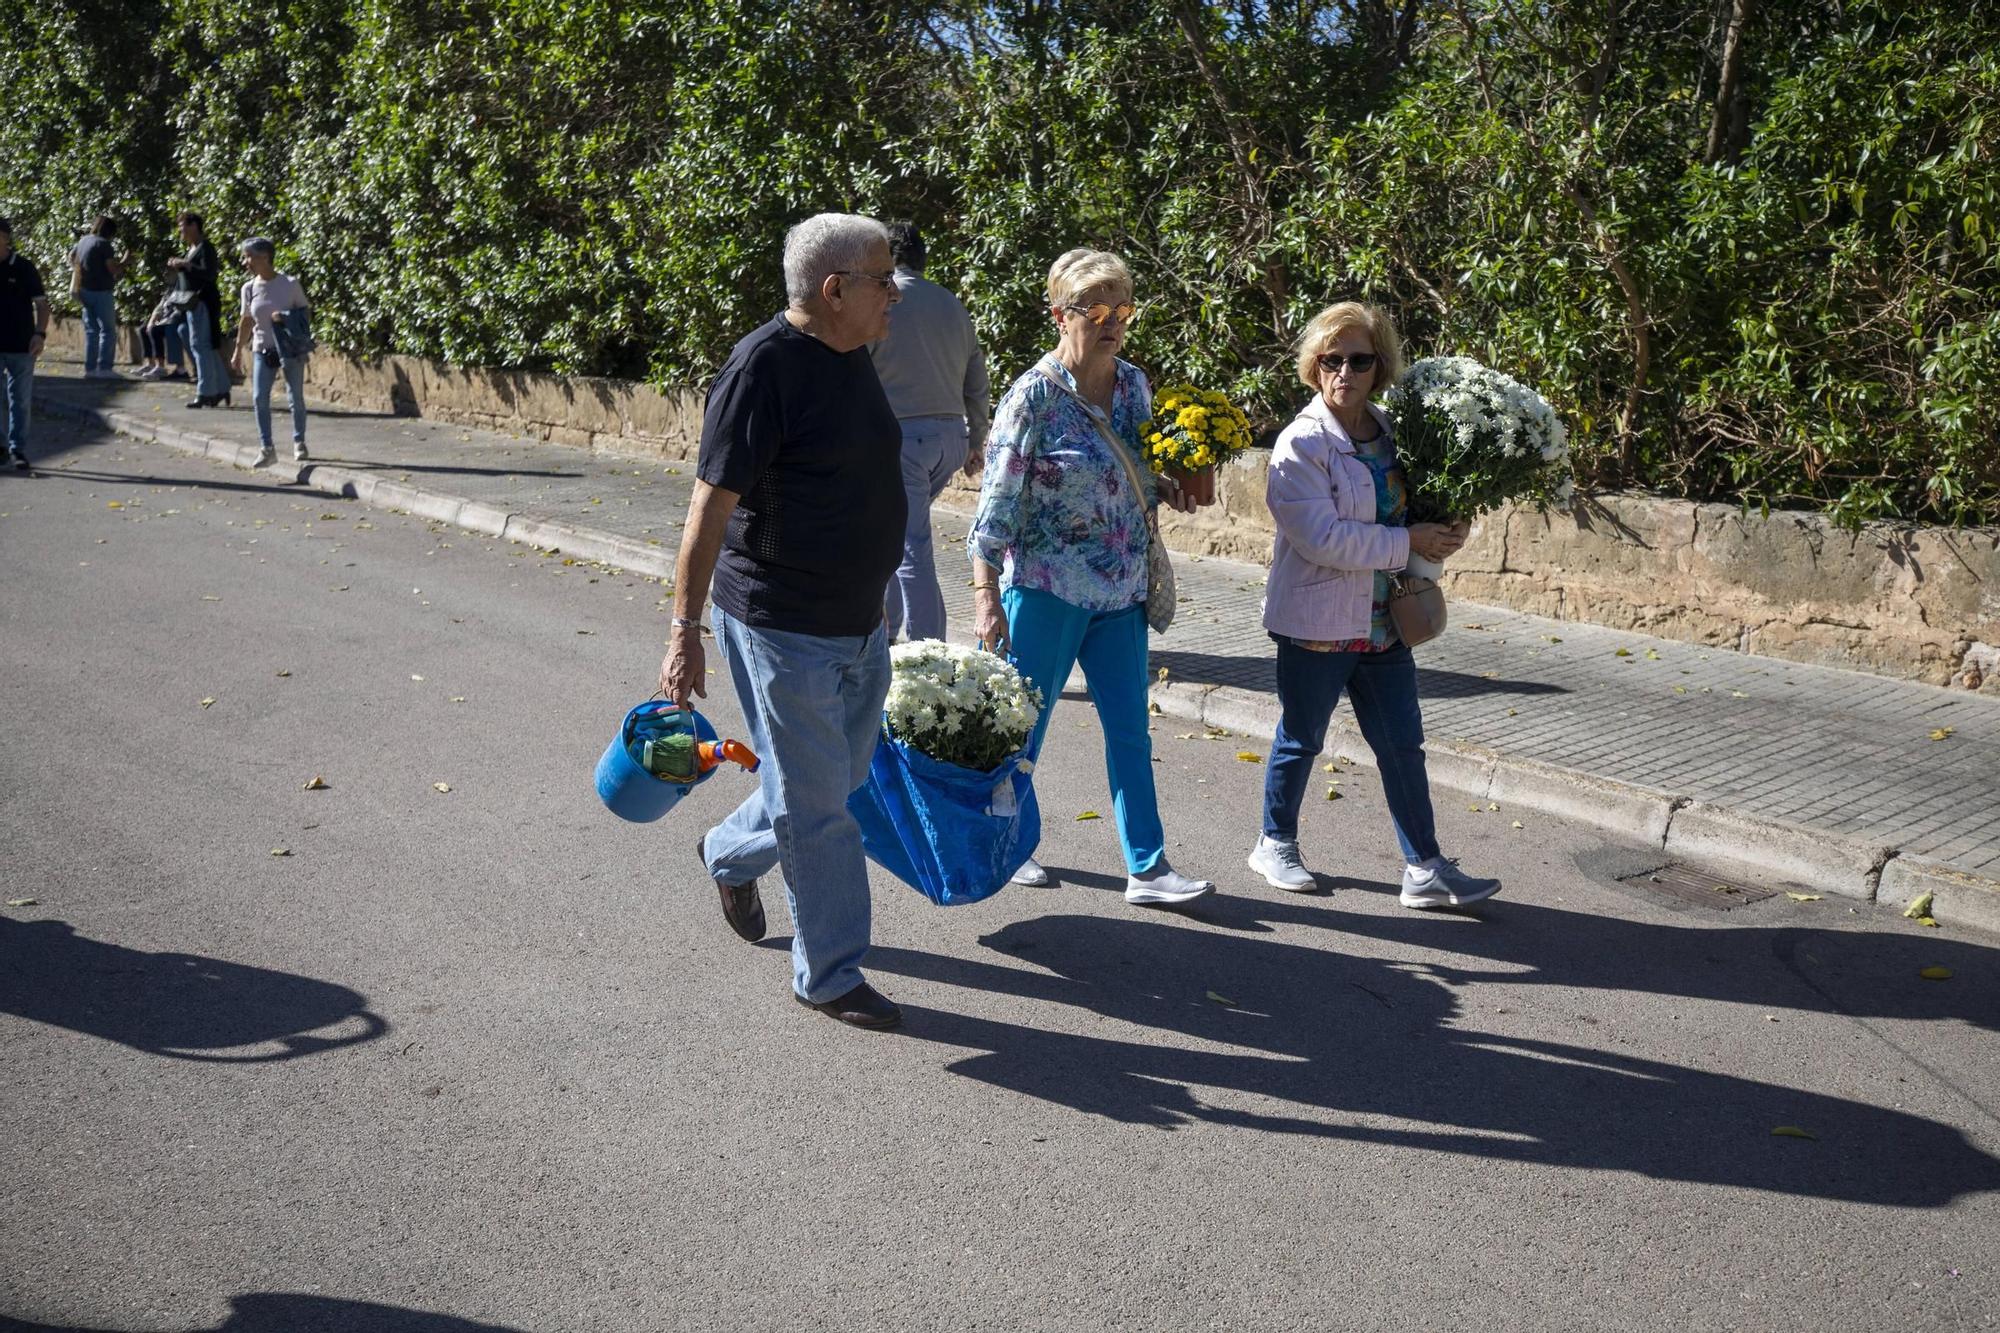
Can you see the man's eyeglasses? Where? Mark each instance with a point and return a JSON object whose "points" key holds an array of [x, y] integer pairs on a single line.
{"points": [[1123, 312], [887, 284], [1360, 362]]}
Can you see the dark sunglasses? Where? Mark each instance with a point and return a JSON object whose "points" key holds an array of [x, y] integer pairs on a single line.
{"points": [[1098, 313], [1360, 363]]}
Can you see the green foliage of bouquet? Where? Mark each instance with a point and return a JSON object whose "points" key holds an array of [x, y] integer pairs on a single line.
{"points": [[1192, 429], [958, 705], [1472, 439]]}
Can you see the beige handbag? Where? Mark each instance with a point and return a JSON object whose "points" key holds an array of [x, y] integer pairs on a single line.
{"points": [[1416, 608], [1161, 598]]}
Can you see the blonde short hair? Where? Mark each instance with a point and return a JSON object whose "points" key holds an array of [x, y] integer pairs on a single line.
{"points": [[1336, 319], [1083, 270]]}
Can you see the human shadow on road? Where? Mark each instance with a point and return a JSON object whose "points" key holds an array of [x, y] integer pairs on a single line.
{"points": [[286, 1312], [1299, 1040], [174, 1004], [1259, 673], [141, 479], [365, 465]]}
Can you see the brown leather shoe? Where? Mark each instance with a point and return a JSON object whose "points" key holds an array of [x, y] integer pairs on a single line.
{"points": [[862, 1007], [742, 907]]}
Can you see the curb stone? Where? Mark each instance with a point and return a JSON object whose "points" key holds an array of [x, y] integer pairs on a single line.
{"points": [[1679, 826], [1958, 898]]}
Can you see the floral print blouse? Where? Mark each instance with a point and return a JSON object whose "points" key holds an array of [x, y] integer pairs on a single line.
{"points": [[1056, 511]]}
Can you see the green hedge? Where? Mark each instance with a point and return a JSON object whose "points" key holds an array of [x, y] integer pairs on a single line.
{"points": [[1791, 300]]}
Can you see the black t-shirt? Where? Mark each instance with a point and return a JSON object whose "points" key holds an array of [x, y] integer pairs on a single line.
{"points": [[806, 436], [20, 285]]}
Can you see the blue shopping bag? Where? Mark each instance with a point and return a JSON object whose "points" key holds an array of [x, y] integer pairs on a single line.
{"points": [[952, 834]]}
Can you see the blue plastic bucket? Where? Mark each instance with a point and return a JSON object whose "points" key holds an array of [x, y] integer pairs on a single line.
{"points": [[624, 785]]}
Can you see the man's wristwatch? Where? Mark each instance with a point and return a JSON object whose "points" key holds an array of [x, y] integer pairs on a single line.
{"points": [[682, 622]]}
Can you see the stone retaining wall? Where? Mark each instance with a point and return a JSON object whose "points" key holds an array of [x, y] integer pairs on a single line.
{"points": [[1919, 603]]}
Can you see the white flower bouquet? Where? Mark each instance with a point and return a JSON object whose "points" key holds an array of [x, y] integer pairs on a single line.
{"points": [[961, 706], [1472, 439]]}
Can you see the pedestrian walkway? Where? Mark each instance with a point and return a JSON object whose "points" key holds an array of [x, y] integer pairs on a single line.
{"points": [[1847, 782]]}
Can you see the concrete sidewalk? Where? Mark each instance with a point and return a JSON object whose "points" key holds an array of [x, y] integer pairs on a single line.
{"points": [[1845, 783]]}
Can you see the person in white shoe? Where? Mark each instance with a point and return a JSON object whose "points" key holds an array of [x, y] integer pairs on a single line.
{"points": [[1338, 498], [268, 296], [1058, 547]]}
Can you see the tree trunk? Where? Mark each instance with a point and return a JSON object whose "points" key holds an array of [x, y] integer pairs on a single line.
{"points": [[1724, 138]]}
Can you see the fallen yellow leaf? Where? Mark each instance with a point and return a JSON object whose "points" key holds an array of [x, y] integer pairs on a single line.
{"points": [[1088, 814], [317, 783], [207, 702], [1250, 756], [1333, 794], [1220, 999], [1517, 823], [1623, 652], [1792, 1132], [1936, 974], [1804, 897], [1652, 654], [281, 851], [458, 698], [114, 504], [1930, 921], [1943, 733], [22, 902], [285, 672], [1552, 638], [1919, 907]]}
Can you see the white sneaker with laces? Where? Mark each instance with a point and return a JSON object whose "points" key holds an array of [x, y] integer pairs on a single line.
{"points": [[1031, 874], [1440, 883], [1280, 864], [1165, 885]]}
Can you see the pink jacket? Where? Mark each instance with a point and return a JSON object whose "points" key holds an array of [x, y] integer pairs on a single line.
{"points": [[1328, 547]]}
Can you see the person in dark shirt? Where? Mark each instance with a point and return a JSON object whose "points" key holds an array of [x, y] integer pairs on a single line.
{"points": [[99, 266], [24, 324], [197, 274], [797, 517]]}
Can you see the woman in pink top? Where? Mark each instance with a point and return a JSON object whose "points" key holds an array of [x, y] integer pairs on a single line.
{"points": [[1339, 500]]}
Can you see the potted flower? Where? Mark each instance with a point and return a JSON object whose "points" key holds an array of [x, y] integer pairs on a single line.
{"points": [[1472, 439], [949, 807], [1191, 432]]}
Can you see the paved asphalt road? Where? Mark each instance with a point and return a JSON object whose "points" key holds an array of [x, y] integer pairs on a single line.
{"points": [[489, 1058]]}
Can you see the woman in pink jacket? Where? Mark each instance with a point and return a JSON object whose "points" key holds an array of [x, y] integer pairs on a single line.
{"points": [[1339, 499]]}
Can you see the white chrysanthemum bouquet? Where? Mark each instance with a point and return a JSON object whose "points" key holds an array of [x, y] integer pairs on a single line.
{"points": [[960, 706], [1472, 439]]}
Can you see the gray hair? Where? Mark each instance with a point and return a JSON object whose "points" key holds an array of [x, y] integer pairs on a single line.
{"points": [[257, 245], [827, 243]]}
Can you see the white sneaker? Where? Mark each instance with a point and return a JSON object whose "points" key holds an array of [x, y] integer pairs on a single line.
{"points": [[266, 458], [299, 454], [149, 373], [1031, 874], [1440, 883], [1280, 865], [1165, 885]]}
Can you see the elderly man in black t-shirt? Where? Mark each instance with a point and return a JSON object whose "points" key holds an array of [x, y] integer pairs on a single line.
{"points": [[797, 516]]}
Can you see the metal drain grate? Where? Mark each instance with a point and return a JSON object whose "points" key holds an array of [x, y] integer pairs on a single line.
{"points": [[1699, 888]]}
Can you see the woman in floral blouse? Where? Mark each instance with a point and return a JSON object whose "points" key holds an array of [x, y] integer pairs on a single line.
{"points": [[1059, 546]]}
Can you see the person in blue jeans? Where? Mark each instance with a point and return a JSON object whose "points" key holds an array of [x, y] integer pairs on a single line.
{"points": [[24, 324], [268, 296], [935, 375], [1339, 501], [197, 278], [96, 254], [1059, 547], [797, 523]]}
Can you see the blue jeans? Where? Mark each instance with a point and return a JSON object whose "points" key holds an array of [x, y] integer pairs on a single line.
{"points": [[1049, 636], [814, 708], [262, 376], [1383, 687], [100, 329], [17, 369], [211, 377], [933, 449]]}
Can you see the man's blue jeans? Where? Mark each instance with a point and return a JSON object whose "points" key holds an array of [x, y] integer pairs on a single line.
{"points": [[814, 708], [933, 449], [1049, 636], [211, 377], [1383, 688], [17, 369], [100, 329], [262, 376]]}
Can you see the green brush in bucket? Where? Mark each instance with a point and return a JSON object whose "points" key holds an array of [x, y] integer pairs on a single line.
{"points": [[673, 756]]}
